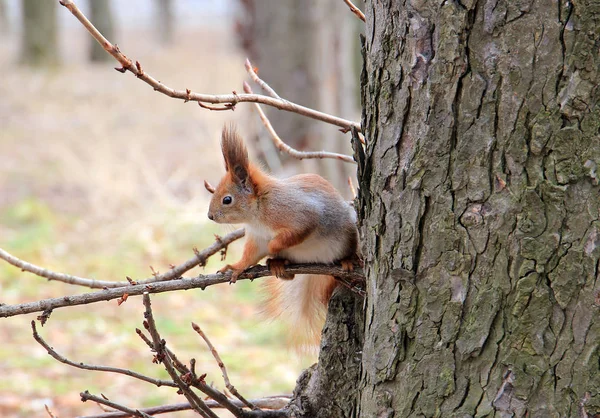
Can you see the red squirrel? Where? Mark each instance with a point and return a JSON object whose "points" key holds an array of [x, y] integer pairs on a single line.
{"points": [[301, 219]]}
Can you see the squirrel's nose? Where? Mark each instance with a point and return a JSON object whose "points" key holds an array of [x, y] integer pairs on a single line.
{"points": [[210, 216]]}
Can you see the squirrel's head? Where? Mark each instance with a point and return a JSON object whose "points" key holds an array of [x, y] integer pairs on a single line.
{"points": [[234, 199]]}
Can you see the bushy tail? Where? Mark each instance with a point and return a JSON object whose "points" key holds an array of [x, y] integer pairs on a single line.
{"points": [[302, 304]]}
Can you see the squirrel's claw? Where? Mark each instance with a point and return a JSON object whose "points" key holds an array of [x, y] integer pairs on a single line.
{"points": [[277, 267], [234, 276], [234, 272], [347, 265]]}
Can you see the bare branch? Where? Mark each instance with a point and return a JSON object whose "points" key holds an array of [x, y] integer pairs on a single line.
{"points": [[87, 396], [49, 412], [263, 85], [196, 403], [189, 377], [187, 95], [352, 279], [273, 403], [176, 272], [83, 366], [215, 354], [355, 10], [283, 147]]}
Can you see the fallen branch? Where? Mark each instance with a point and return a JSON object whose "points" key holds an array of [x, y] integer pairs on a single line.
{"points": [[187, 95], [353, 279], [283, 147], [176, 272]]}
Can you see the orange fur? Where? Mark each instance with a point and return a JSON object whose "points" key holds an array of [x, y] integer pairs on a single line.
{"points": [[249, 258], [300, 219], [287, 238], [301, 304]]}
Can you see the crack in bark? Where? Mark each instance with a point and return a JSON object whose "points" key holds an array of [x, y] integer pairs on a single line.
{"points": [[563, 45], [421, 233]]}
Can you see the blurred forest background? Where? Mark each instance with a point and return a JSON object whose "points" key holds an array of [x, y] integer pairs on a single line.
{"points": [[102, 177]]}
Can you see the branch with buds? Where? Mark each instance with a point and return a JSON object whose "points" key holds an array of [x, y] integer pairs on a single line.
{"points": [[185, 379], [229, 100]]}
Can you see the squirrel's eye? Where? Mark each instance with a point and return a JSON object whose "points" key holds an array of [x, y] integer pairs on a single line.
{"points": [[227, 200]]}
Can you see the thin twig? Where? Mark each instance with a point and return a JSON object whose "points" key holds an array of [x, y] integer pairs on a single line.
{"points": [[263, 85], [84, 366], [353, 279], [172, 365], [355, 10], [87, 396], [49, 412], [176, 272], [215, 354], [272, 403], [283, 147], [196, 403], [227, 106], [190, 378], [182, 368], [187, 95]]}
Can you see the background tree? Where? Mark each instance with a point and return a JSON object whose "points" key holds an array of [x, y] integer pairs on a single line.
{"points": [[39, 33], [4, 22], [102, 16], [479, 212], [306, 51], [165, 20]]}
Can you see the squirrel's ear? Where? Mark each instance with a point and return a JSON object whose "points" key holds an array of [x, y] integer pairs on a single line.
{"points": [[235, 155], [209, 187]]}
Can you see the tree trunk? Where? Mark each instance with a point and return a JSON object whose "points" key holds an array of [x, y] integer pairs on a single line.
{"points": [[479, 210], [39, 33], [4, 22], [280, 42], [165, 21], [101, 16], [328, 389]]}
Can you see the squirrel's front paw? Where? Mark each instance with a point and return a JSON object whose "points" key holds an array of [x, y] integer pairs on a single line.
{"points": [[234, 272], [277, 267]]}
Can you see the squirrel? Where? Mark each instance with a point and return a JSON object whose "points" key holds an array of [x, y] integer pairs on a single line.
{"points": [[301, 219]]}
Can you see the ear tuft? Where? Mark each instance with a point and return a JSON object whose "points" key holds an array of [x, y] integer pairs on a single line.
{"points": [[236, 155]]}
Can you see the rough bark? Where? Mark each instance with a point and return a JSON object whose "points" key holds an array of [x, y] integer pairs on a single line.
{"points": [[39, 34], [102, 17], [480, 209], [320, 392]]}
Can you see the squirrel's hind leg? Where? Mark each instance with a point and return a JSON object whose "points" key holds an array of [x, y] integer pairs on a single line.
{"points": [[277, 267]]}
